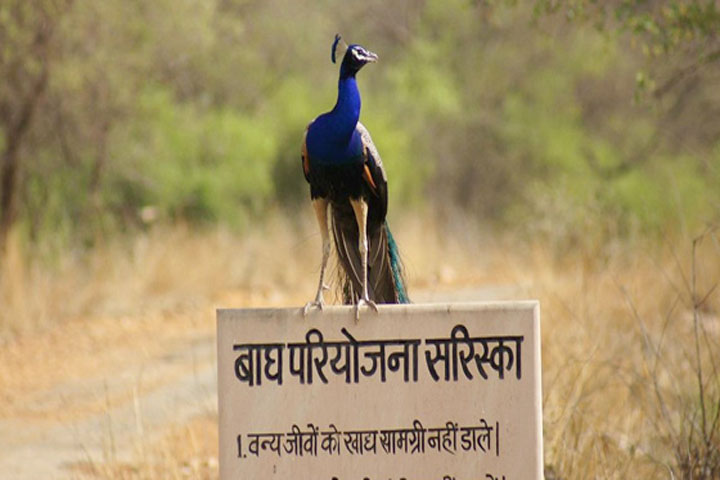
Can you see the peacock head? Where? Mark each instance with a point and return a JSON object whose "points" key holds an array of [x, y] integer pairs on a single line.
{"points": [[356, 56]]}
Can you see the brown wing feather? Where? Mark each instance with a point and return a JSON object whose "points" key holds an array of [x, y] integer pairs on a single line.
{"points": [[372, 157], [381, 287], [376, 178], [304, 153]]}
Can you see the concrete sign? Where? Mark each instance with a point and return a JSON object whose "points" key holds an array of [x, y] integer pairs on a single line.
{"points": [[415, 392]]}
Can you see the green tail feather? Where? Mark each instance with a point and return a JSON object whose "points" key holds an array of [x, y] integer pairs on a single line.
{"points": [[396, 267]]}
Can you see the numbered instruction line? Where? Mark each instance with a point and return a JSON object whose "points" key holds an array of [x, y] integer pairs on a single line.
{"points": [[451, 438]]}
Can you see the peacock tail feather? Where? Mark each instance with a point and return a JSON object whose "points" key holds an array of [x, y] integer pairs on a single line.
{"points": [[396, 267]]}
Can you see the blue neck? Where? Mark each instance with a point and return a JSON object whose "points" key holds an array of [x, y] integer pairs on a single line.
{"points": [[347, 108]]}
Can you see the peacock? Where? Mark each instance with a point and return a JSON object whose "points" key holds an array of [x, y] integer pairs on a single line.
{"points": [[345, 172]]}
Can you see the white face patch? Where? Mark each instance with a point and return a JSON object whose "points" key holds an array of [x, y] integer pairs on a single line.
{"points": [[363, 55]]}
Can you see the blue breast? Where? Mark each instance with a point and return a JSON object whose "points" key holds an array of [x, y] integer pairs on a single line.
{"points": [[332, 138], [325, 149]]}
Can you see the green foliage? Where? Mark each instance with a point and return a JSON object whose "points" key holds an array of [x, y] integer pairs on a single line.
{"points": [[195, 112], [423, 87], [406, 168], [201, 165], [678, 37]]}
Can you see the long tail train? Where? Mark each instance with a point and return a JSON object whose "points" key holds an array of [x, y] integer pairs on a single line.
{"points": [[386, 283]]}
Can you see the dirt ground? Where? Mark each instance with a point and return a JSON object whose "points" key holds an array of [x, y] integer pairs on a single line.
{"points": [[91, 392]]}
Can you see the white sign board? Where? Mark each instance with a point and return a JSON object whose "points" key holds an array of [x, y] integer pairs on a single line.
{"points": [[415, 392]]}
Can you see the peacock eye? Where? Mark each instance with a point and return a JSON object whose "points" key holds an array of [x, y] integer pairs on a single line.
{"points": [[360, 54]]}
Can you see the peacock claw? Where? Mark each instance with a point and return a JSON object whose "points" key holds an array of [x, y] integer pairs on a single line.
{"points": [[319, 303], [362, 302]]}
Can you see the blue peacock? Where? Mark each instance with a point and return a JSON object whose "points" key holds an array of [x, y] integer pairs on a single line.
{"points": [[345, 173]]}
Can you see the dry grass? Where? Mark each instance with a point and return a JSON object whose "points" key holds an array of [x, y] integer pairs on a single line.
{"points": [[184, 452], [167, 269], [620, 361]]}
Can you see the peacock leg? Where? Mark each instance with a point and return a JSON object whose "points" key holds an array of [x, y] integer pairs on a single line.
{"points": [[360, 207], [320, 205]]}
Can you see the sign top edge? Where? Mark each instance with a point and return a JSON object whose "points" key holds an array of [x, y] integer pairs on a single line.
{"points": [[394, 308]]}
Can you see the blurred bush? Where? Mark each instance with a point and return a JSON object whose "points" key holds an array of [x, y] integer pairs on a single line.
{"points": [[193, 112]]}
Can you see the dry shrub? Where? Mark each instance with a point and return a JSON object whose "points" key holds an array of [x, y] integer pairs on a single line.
{"points": [[165, 269], [682, 361], [623, 397], [183, 452]]}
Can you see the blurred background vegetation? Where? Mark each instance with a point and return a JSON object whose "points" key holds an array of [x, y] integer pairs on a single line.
{"points": [[569, 118]]}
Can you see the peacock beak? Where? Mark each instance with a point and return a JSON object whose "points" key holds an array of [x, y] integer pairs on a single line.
{"points": [[372, 57]]}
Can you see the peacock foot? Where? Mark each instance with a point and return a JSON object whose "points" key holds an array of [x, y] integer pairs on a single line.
{"points": [[310, 305], [366, 302], [318, 303]]}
